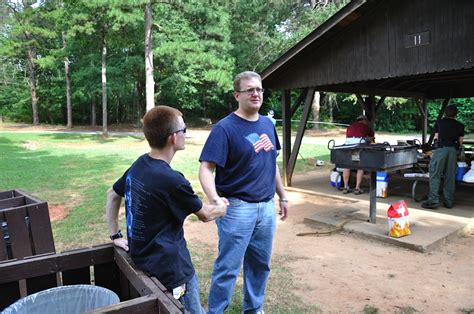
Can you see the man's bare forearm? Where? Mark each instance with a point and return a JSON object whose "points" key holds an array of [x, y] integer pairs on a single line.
{"points": [[210, 212], [206, 177]]}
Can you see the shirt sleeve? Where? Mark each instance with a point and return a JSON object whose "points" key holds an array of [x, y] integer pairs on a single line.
{"points": [[183, 202], [216, 147], [277, 141], [119, 185]]}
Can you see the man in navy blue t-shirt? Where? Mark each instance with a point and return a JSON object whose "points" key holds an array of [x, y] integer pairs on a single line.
{"points": [[157, 201], [242, 150]]}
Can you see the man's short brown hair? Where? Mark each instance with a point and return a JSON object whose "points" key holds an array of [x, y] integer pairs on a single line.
{"points": [[451, 111], [159, 123], [245, 76]]}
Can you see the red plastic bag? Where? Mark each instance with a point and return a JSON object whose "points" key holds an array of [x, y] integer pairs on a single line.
{"points": [[398, 219]]}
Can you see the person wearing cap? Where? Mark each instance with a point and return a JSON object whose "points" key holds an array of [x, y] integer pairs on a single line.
{"points": [[357, 132], [449, 135]]}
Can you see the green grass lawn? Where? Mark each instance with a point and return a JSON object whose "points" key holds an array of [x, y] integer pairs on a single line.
{"points": [[75, 171]]}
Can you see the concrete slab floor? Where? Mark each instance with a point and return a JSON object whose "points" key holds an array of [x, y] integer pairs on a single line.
{"points": [[429, 228]]}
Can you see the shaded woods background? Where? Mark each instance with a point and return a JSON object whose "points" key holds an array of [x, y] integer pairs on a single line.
{"points": [[198, 47]]}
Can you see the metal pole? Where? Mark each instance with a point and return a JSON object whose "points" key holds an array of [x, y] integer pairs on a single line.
{"points": [[373, 200]]}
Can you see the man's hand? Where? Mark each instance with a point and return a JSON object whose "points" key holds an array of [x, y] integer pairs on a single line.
{"points": [[221, 201], [122, 243], [283, 209]]}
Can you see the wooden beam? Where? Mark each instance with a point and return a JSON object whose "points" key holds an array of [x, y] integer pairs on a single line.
{"points": [[300, 133], [360, 101], [440, 115], [379, 103], [298, 101], [286, 115], [371, 111], [369, 91], [422, 107]]}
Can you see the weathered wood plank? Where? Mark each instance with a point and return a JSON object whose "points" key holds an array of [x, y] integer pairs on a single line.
{"points": [[145, 304], [12, 202], [40, 283], [18, 231], [40, 225], [77, 276], [9, 292], [107, 275], [137, 278], [43, 265], [7, 194], [165, 298], [3, 244]]}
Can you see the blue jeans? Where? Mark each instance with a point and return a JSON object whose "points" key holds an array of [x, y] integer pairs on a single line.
{"points": [[190, 299], [245, 234]]}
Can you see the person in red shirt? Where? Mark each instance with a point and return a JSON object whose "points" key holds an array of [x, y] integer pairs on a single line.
{"points": [[357, 132]]}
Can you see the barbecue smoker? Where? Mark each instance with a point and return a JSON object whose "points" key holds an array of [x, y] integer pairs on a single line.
{"points": [[373, 158]]}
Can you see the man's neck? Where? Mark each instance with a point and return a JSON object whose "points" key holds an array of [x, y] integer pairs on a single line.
{"points": [[250, 116], [166, 154]]}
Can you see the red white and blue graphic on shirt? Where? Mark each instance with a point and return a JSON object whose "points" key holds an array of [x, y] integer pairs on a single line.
{"points": [[260, 142]]}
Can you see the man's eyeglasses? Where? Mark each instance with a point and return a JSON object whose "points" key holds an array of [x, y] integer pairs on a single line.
{"points": [[250, 91], [180, 130]]}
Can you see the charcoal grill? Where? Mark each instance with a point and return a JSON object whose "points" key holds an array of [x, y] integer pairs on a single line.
{"points": [[373, 158]]}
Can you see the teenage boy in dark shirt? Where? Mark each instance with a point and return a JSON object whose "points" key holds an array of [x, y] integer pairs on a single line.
{"points": [[157, 201]]}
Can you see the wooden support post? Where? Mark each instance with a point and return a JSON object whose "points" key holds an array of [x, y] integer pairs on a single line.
{"points": [[286, 115], [299, 135], [421, 103], [440, 115], [379, 103], [299, 101]]}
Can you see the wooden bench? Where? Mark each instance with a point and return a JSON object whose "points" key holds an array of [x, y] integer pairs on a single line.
{"points": [[415, 186], [29, 263]]}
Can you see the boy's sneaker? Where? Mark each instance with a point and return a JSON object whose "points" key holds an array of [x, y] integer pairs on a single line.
{"points": [[448, 205], [430, 205]]}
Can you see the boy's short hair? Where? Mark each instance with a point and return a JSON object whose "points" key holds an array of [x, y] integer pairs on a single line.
{"points": [[451, 111], [245, 76], [159, 123]]}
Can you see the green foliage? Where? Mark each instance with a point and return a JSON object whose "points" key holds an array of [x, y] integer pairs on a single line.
{"points": [[193, 67], [198, 48]]}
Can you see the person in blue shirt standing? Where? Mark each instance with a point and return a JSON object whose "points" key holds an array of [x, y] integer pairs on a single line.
{"points": [[242, 149], [157, 201]]}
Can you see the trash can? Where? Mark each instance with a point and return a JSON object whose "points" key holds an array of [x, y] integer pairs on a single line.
{"points": [[66, 299]]}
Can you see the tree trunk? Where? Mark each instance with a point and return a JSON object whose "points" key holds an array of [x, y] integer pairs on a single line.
{"points": [[150, 82], [139, 87], [93, 112], [32, 82], [104, 88], [67, 71], [315, 108]]}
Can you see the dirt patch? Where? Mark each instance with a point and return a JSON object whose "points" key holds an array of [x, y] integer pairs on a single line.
{"points": [[346, 273], [29, 145], [57, 212]]}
